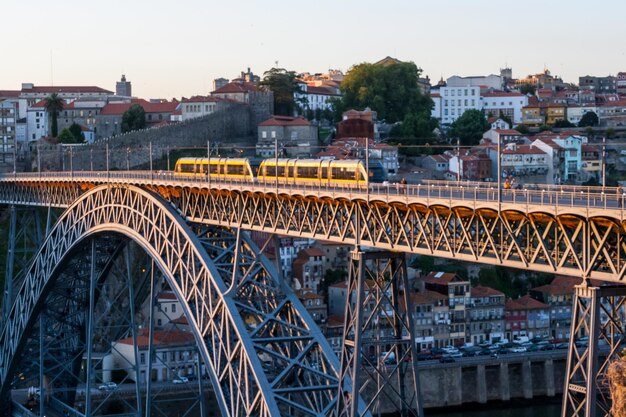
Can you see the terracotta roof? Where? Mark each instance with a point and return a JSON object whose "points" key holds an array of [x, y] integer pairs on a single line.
{"points": [[201, 99], [334, 321], [65, 89], [310, 89], [181, 320], [9, 93], [167, 295], [481, 291], [524, 150], [441, 278], [525, 303], [113, 109], [39, 105], [554, 289], [510, 132], [161, 338], [285, 121], [309, 252]]}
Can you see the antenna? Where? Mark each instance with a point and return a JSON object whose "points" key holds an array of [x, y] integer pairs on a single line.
{"points": [[51, 70]]}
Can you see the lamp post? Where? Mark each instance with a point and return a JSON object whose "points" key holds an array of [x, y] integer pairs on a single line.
{"points": [[128, 159], [603, 162], [499, 176], [458, 160], [367, 166], [276, 162], [208, 169]]}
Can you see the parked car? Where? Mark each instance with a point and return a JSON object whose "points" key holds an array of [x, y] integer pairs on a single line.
{"points": [[180, 380], [107, 386], [446, 359]]}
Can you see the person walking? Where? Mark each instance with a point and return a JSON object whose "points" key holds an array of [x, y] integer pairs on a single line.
{"points": [[620, 195]]}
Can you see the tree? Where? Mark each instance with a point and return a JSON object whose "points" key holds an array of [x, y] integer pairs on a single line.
{"points": [[54, 105], [589, 119], [523, 129], [610, 133], [134, 118], [527, 88], [563, 123], [77, 132], [469, 128], [66, 136], [284, 86]]}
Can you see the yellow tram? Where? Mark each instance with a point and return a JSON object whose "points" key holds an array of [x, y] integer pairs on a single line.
{"points": [[221, 168]]}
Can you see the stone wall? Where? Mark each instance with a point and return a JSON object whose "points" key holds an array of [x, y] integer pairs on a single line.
{"points": [[225, 128], [458, 383]]}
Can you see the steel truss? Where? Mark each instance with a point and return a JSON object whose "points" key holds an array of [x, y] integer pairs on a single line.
{"points": [[264, 354], [598, 314], [378, 337], [584, 242]]}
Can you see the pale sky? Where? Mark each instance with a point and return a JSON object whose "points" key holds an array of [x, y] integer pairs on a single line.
{"points": [[176, 48]]}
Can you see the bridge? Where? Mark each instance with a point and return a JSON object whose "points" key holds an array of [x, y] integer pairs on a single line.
{"points": [[263, 354]]}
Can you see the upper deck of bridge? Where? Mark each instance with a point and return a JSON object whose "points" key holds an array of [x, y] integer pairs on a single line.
{"points": [[550, 199]]}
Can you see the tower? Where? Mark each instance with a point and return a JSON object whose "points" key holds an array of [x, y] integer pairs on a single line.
{"points": [[123, 87]]}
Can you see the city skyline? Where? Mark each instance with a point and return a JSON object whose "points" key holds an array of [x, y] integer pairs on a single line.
{"points": [[171, 52]]}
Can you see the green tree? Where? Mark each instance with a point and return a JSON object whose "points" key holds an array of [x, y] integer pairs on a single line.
{"points": [[527, 88], [390, 90], [134, 118], [523, 129], [77, 132], [563, 123], [54, 105], [589, 119], [332, 276], [284, 86], [469, 128], [610, 133], [66, 136]]}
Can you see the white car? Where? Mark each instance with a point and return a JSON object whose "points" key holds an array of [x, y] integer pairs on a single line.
{"points": [[180, 380], [107, 386]]}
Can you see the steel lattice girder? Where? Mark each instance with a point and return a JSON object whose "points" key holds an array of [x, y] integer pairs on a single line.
{"points": [[586, 381], [521, 238], [233, 324]]}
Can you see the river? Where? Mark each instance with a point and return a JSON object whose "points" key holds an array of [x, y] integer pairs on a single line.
{"points": [[548, 408]]}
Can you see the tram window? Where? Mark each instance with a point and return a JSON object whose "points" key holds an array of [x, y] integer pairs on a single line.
{"points": [[270, 171], [281, 171], [186, 167], [290, 170], [324, 173], [307, 172], [235, 169], [343, 174], [214, 168]]}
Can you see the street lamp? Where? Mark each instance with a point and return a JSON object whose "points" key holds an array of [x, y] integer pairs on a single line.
{"points": [[499, 176]]}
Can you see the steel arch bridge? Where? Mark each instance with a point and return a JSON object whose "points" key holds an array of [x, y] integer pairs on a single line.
{"points": [[572, 232], [225, 286]]}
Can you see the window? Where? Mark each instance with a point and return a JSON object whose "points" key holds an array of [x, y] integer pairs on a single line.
{"points": [[142, 358], [273, 134], [173, 308], [264, 135]]}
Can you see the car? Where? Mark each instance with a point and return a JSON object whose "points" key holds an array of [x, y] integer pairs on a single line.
{"points": [[517, 349], [446, 359], [107, 386], [180, 380]]}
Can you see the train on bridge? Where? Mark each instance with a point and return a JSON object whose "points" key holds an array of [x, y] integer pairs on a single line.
{"points": [[348, 172]]}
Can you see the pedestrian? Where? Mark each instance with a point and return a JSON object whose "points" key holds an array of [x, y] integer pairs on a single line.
{"points": [[620, 195], [403, 184]]}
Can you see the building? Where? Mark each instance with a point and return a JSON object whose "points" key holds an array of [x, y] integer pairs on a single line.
{"points": [[123, 88], [576, 112], [455, 100], [293, 135], [312, 97], [492, 81], [308, 269], [31, 94], [485, 315], [315, 305], [337, 255], [289, 247], [564, 156], [109, 120], [509, 104], [601, 85], [620, 83], [357, 124], [526, 316], [505, 136], [198, 106], [167, 309], [9, 112], [459, 293], [37, 121], [423, 316], [438, 165], [559, 296], [524, 160], [175, 352]]}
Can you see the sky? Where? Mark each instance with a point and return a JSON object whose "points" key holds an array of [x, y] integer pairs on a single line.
{"points": [[175, 49]]}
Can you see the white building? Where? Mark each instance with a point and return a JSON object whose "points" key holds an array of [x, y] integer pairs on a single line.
{"points": [[492, 81], [315, 97], [507, 103], [198, 106], [455, 100], [576, 112], [37, 121], [167, 309], [175, 354]]}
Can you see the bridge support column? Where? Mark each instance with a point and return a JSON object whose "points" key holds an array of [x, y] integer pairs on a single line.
{"points": [[378, 339], [505, 390], [481, 384], [548, 369], [586, 391]]}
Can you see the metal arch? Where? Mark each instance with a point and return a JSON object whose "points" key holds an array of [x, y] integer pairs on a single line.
{"points": [[231, 353]]}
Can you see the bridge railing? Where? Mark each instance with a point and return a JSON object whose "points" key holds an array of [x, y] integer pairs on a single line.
{"points": [[453, 192]]}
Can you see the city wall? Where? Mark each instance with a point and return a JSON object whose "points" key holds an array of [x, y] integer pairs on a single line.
{"points": [[458, 383]]}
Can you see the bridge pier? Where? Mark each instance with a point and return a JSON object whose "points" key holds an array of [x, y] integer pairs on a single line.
{"points": [[586, 391], [378, 337]]}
